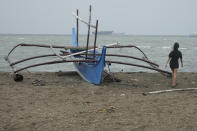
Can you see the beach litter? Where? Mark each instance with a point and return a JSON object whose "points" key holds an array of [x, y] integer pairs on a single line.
{"points": [[134, 79], [122, 94], [109, 109], [38, 83]]}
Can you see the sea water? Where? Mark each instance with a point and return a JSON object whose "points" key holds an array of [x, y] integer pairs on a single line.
{"points": [[156, 48]]}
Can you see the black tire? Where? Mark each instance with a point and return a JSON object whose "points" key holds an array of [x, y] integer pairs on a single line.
{"points": [[18, 77]]}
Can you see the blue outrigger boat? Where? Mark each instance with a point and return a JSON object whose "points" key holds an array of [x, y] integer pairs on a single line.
{"points": [[88, 61], [91, 72]]}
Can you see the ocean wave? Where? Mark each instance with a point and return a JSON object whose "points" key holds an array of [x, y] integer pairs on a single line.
{"points": [[21, 38], [183, 48], [144, 46], [166, 47]]}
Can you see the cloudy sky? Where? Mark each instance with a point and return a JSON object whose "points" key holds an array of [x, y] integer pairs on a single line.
{"points": [[146, 17]]}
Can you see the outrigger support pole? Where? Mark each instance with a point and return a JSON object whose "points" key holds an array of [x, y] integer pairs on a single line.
{"points": [[130, 64], [36, 45], [70, 47], [88, 61], [53, 62], [31, 58], [111, 46], [115, 55]]}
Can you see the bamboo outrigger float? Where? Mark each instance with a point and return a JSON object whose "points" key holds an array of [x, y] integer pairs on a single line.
{"points": [[88, 61]]}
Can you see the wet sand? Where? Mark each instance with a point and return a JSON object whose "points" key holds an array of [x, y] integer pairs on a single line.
{"points": [[64, 102]]}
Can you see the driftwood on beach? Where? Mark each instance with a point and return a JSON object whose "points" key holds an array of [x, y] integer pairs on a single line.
{"points": [[169, 90]]}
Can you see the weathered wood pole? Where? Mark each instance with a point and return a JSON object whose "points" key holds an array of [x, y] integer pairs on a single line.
{"points": [[95, 38], [88, 31], [77, 27]]}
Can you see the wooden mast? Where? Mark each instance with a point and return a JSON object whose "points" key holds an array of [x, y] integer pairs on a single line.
{"points": [[77, 28], [88, 32], [95, 39]]}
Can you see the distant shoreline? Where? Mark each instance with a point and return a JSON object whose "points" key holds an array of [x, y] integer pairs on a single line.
{"points": [[106, 35]]}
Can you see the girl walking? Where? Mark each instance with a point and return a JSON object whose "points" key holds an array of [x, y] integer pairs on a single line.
{"points": [[174, 57]]}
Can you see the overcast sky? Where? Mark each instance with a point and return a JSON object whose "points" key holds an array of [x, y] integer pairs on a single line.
{"points": [[147, 17]]}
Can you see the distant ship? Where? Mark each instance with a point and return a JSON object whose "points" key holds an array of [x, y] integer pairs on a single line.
{"points": [[193, 35], [108, 33], [103, 32]]}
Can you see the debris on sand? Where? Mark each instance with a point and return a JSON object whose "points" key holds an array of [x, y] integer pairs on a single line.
{"points": [[38, 83], [109, 109]]}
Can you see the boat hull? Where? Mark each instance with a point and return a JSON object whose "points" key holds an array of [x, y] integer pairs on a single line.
{"points": [[91, 72]]}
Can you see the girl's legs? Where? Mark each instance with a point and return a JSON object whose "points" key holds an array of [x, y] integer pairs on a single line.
{"points": [[174, 72]]}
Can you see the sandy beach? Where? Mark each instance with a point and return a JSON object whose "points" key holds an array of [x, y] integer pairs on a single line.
{"points": [[65, 102]]}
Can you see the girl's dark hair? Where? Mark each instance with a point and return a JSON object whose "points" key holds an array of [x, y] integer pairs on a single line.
{"points": [[176, 46]]}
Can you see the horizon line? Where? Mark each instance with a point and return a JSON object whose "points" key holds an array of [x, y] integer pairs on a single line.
{"points": [[93, 34]]}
